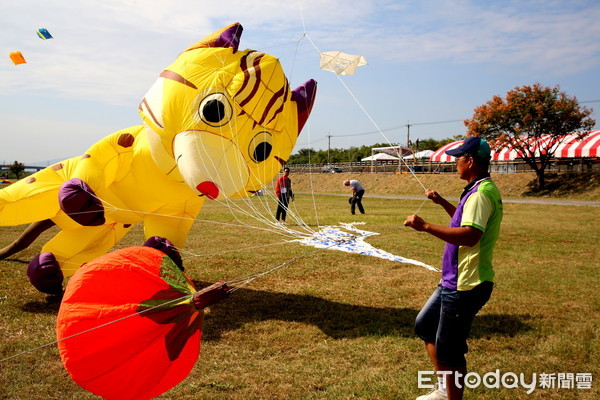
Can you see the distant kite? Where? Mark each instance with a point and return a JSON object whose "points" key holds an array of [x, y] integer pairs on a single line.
{"points": [[341, 63], [17, 58], [44, 34]]}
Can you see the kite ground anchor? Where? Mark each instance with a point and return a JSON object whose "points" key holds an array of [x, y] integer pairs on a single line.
{"points": [[210, 295]]}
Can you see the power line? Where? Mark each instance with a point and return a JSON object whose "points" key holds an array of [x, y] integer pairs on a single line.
{"points": [[399, 127], [408, 125]]}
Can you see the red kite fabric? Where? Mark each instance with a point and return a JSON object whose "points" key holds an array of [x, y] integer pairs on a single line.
{"points": [[134, 357]]}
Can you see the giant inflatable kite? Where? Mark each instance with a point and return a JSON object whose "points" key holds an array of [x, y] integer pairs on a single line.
{"points": [[218, 123]]}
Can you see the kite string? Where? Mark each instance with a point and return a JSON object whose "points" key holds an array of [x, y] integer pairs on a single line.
{"points": [[241, 224], [236, 284], [245, 279], [302, 19], [368, 115], [421, 206], [187, 296], [255, 213], [291, 233], [194, 255], [304, 34]]}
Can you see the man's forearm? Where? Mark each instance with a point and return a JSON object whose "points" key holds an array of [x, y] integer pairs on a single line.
{"points": [[460, 236]]}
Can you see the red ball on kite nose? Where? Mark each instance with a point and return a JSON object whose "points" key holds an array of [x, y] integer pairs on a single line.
{"points": [[209, 189]]}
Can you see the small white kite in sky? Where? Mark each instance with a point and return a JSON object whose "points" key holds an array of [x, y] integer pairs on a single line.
{"points": [[341, 63]]}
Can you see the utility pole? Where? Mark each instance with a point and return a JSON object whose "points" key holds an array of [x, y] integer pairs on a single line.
{"points": [[407, 142], [328, 147]]}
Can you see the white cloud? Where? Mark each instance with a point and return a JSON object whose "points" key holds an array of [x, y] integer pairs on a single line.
{"points": [[32, 139], [113, 49], [554, 38], [109, 52]]}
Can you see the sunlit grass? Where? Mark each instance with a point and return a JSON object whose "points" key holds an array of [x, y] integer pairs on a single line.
{"points": [[334, 325]]}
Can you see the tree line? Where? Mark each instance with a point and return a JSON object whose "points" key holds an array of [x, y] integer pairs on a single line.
{"points": [[518, 121], [14, 170], [521, 121], [354, 154]]}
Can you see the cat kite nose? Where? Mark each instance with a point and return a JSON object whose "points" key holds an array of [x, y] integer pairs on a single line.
{"points": [[209, 189]]}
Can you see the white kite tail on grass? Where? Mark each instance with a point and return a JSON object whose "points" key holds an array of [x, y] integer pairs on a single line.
{"points": [[338, 238]]}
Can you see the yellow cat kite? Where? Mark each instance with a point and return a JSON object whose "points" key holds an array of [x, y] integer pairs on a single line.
{"points": [[218, 123]]}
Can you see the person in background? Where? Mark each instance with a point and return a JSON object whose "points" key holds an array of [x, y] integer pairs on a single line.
{"points": [[444, 322], [283, 190], [357, 194]]}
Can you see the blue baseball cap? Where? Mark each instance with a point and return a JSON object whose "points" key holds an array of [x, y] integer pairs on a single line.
{"points": [[473, 146]]}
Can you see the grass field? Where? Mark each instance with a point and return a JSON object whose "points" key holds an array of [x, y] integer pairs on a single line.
{"points": [[579, 186], [334, 325]]}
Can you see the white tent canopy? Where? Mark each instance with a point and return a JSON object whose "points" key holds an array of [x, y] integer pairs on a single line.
{"points": [[380, 157], [393, 150], [424, 154]]}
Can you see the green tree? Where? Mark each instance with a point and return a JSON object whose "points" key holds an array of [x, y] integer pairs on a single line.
{"points": [[527, 114], [304, 156], [16, 168], [355, 154]]}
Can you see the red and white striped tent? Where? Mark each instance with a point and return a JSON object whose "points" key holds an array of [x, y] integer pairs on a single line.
{"points": [[569, 147]]}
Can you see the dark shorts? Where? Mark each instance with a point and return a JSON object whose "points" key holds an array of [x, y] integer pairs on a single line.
{"points": [[446, 320]]}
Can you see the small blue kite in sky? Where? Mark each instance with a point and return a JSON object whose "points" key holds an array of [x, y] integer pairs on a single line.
{"points": [[44, 34]]}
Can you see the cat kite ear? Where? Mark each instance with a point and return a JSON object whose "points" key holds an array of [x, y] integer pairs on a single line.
{"points": [[304, 96], [226, 37]]}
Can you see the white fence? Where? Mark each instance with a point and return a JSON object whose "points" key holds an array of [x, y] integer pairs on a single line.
{"points": [[427, 167]]}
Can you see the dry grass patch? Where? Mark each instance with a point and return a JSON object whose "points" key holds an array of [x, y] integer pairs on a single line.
{"points": [[339, 326], [584, 186]]}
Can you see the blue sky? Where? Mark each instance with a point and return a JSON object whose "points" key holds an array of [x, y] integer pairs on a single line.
{"points": [[428, 62]]}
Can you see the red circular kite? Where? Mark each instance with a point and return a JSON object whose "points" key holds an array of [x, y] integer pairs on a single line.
{"points": [[129, 325]]}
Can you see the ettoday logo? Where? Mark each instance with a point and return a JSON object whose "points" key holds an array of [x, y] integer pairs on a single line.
{"points": [[508, 380]]}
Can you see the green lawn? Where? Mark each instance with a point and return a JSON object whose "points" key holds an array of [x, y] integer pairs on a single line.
{"points": [[333, 325]]}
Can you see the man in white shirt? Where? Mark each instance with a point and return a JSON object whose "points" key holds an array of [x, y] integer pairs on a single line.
{"points": [[357, 193]]}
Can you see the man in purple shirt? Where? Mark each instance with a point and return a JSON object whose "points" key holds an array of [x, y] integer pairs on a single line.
{"points": [[445, 321]]}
